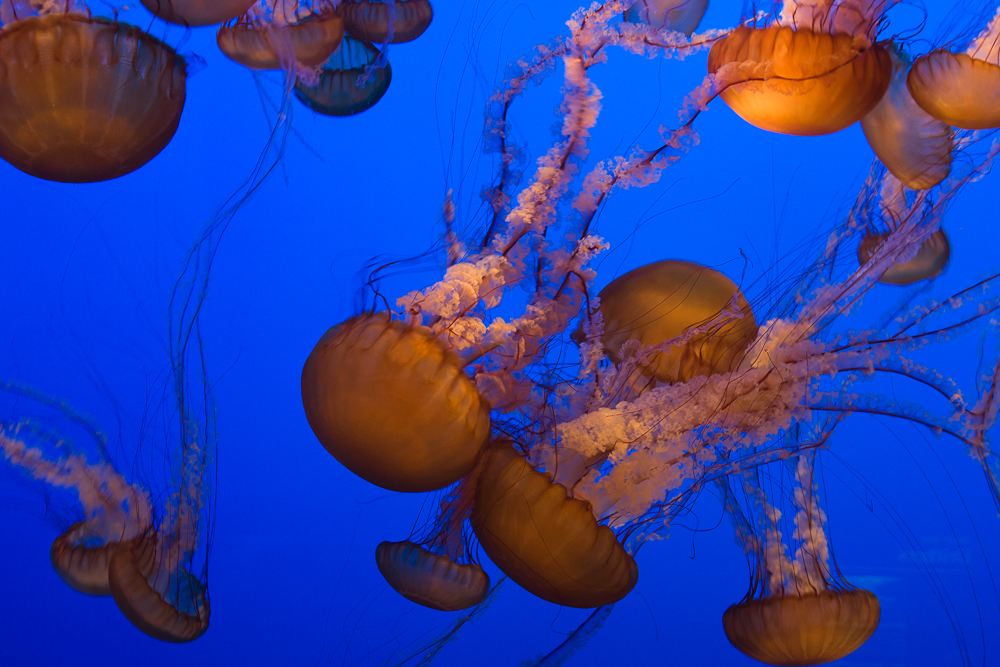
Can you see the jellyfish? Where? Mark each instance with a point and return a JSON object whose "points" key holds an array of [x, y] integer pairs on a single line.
{"points": [[961, 89], [273, 42], [662, 302], [74, 118], [383, 21], [437, 570], [912, 144], [393, 404], [886, 209], [799, 610], [114, 510], [816, 70], [680, 15], [349, 82], [546, 541], [198, 12]]}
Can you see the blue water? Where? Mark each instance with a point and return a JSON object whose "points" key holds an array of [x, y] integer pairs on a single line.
{"points": [[87, 272]]}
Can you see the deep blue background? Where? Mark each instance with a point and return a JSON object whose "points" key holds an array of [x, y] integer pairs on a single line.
{"points": [[87, 269]]}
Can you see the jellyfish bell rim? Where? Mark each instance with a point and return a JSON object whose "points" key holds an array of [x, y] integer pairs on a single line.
{"points": [[952, 86], [422, 429], [746, 625], [82, 567], [142, 605], [457, 585], [38, 136], [582, 587], [827, 101]]}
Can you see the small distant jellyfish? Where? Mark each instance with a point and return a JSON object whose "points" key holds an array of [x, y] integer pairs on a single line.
{"points": [[349, 83], [660, 302], [892, 207], [372, 20], [680, 15], [961, 89], [816, 71], [197, 12], [912, 144], [106, 105], [274, 44], [795, 613], [393, 404], [547, 542]]}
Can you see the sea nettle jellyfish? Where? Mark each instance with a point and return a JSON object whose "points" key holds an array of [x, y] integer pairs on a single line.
{"points": [[384, 21], [798, 611], [961, 89], [351, 81], [278, 37], [680, 15], [815, 71], [915, 146], [197, 12], [84, 99]]}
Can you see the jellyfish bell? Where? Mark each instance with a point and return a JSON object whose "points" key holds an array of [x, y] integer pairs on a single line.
{"points": [[393, 404], [368, 20], [81, 565], [547, 542], [661, 301], [799, 81], [197, 12], [928, 263], [312, 40], [961, 89], [680, 15], [912, 144], [345, 86], [156, 593], [432, 580], [810, 629], [85, 99]]}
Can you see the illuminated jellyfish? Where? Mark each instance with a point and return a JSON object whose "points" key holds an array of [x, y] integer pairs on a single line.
{"points": [[545, 540], [662, 301], [816, 70], [912, 144], [198, 12], [437, 570], [886, 210], [384, 21], [349, 82], [961, 89], [391, 402], [73, 118], [277, 37], [680, 15], [798, 611], [114, 511]]}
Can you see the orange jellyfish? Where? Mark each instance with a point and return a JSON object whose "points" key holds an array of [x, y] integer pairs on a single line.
{"points": [[346, 86], [393, 404], [85, 99], [795, 613], [929, 262], [197, 12], [114, 510], [680, 15], [913, 145], [430, 579], [372, 20], [815, 72], [671, 300], [258, 45], [547, 542], [961, 89]]}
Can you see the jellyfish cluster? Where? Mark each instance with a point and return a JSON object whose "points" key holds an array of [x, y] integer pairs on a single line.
{"points": [[556, 428]]}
